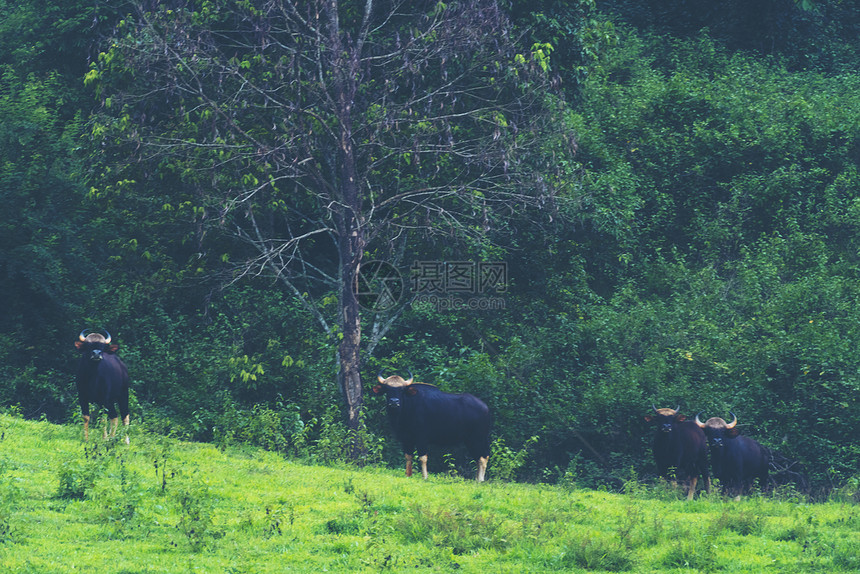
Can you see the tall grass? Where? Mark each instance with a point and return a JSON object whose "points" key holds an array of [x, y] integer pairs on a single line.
{"points": [[165, 506]]}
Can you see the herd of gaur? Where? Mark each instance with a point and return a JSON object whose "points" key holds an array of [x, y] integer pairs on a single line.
{"points": [[422, 415], [681, 449]]}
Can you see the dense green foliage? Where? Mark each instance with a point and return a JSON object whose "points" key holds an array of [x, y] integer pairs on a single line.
{"points": [[703, 251], [165, 506]]}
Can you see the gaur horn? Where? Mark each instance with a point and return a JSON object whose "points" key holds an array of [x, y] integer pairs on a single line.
{"points": [[732, 424], [380, 378], [83, 335], [656, 410], [699, 422], [409, 382], [107, 337]]}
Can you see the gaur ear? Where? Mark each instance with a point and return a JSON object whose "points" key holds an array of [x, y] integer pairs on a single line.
{"points": [[411, 391], [113, 348], [377, 389], [79, 344], [681, 418], [648, 418], [733, 432]]}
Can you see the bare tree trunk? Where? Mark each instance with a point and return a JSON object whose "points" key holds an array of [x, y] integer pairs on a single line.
{"points": [[349, 348], [350, 233]]}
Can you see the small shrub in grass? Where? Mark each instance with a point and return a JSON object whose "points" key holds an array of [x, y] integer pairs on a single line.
{"points": [[120, 497], [695, 554], [650, 534], [76, 479], [196, 506], [463, 531], [797, 532], [278, 518], [598, 551], [351, 525], [742, 522], [634, 530]]}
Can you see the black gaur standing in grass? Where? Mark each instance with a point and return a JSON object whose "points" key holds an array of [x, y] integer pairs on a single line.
{"points": [[680, 449], [421, 415], [102, 378], [736, 460]]}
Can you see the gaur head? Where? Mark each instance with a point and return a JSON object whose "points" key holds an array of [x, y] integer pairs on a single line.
{"points": [[93, 345], [665, 419], [395, 389], [718, 431]]}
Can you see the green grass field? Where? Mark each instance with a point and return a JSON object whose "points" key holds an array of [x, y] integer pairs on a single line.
{"points": [[161, 505]]}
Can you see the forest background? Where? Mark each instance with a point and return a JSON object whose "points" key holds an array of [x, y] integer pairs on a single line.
{"points": [[698, 245]]}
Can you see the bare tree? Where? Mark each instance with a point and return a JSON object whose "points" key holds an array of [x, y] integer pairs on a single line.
{"points": [[315, 132]]}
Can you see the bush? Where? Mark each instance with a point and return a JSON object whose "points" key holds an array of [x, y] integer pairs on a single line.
{"points": [[328, 440], [77, 479], [504, 463]]}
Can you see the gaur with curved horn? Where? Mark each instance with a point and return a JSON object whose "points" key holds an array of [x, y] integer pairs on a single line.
{"points": [[421, 415], [736, 460], [102, 378], [680, 449]]}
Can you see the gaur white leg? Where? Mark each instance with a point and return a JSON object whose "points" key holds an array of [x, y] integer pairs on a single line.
{"points": [[408, 465], [86, 427], [125, 422], [114, 423], [482, 467], [423, 459], [692, 487]]}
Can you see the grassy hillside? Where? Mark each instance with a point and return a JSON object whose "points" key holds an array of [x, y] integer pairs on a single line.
{"points": [[161, 505]]}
